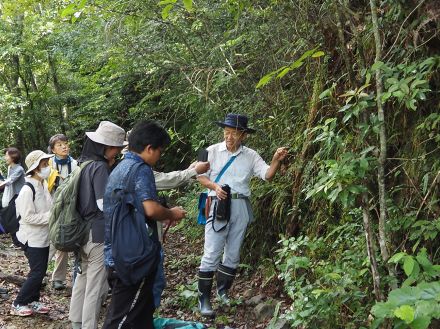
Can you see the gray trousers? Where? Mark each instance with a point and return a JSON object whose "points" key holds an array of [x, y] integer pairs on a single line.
{"points": [[86, 300], [61, 262], [227, 242]]}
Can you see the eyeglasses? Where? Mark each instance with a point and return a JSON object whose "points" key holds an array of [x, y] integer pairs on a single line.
{"points": [[233, 133], [62, 144]]}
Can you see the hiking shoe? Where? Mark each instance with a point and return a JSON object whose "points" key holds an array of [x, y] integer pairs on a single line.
{"points": [[21, 310], [58, 285], [37, 307], [76, 325]]}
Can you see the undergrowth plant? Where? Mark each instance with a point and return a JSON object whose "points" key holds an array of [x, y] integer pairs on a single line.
{"points": [[325, 276], [417, 302]]}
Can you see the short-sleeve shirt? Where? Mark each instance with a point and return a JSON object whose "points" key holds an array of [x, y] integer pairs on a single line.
{"points": [[247, 164], [93, 180], [145, 189]]}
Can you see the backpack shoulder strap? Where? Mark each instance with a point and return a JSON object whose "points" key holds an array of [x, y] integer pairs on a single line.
{"points": [[225, 168], [131, 175], [32, 189]]}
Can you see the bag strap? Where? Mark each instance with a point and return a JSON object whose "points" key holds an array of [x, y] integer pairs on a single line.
{"points": [[132, 172], [227, 165], [32, 188]]}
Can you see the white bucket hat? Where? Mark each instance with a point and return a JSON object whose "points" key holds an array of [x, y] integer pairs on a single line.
{"points": [[33, 159], [108, 134]]}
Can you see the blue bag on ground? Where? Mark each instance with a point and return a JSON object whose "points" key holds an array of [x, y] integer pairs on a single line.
{"points": [[134, 252], [162, 323]]}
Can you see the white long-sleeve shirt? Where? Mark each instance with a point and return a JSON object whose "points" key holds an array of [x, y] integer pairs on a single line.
{"points": [[173, 179], [34, 221]]}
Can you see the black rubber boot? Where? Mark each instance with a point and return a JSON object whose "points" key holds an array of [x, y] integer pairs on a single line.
{"points": [[205, 286], [225, 277]]}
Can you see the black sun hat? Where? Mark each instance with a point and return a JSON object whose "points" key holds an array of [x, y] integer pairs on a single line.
{"points": [[237, 121]]}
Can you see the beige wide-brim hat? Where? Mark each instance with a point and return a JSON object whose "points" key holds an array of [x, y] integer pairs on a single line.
{"points": [[33, 159], [108, 134]]}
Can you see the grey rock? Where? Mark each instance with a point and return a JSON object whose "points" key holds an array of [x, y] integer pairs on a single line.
{"points": [[248, 294], [265, 310], [280, 324], [255, 300]]}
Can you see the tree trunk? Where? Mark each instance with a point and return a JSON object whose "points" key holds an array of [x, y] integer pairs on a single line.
{"points": [[342, 43], [382, 139], [383, 241], [370, 248], [56, 84], [15, 87]]}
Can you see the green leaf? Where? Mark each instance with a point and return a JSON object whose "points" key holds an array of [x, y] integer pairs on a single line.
{"points": [[399, 94], [409, 281], [423, 260], [166, 2], [417, 82], [408, 265], [344, 198], [404, 295], [188, 5], [363, 163], [404, 87], [421, 322], [187, 294], [166, 11], [296, 64], [383, 310], [377, 66], [69, 10], [397, 257], [283, 72], [325, 93], [318, 54], [264, 80], [405, 313], [307, 54]]}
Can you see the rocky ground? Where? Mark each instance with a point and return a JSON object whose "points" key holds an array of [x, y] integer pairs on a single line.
{"points": [[253, 307]]}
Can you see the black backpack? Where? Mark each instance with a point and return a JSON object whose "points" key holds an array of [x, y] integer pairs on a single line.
{"points": [[8, 216], [135, 253]]}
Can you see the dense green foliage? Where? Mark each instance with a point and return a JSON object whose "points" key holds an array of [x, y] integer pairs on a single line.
{"points": [[306, 73]]}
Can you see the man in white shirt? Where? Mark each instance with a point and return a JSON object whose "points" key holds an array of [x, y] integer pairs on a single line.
{"points": [[226, 237]]}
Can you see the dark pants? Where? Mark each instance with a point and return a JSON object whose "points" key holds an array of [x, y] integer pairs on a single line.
{"points": [[30, 290], [15, 240], [131, 307]]}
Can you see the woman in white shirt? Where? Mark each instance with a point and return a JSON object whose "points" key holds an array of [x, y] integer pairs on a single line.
{"points": [[33, 206]]}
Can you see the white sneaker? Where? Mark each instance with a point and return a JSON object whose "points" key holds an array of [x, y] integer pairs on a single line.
{"points": [[38, 307], [21, 310]]}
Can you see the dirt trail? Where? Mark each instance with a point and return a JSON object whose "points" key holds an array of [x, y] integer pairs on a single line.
{"points": [[179, 300]]}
